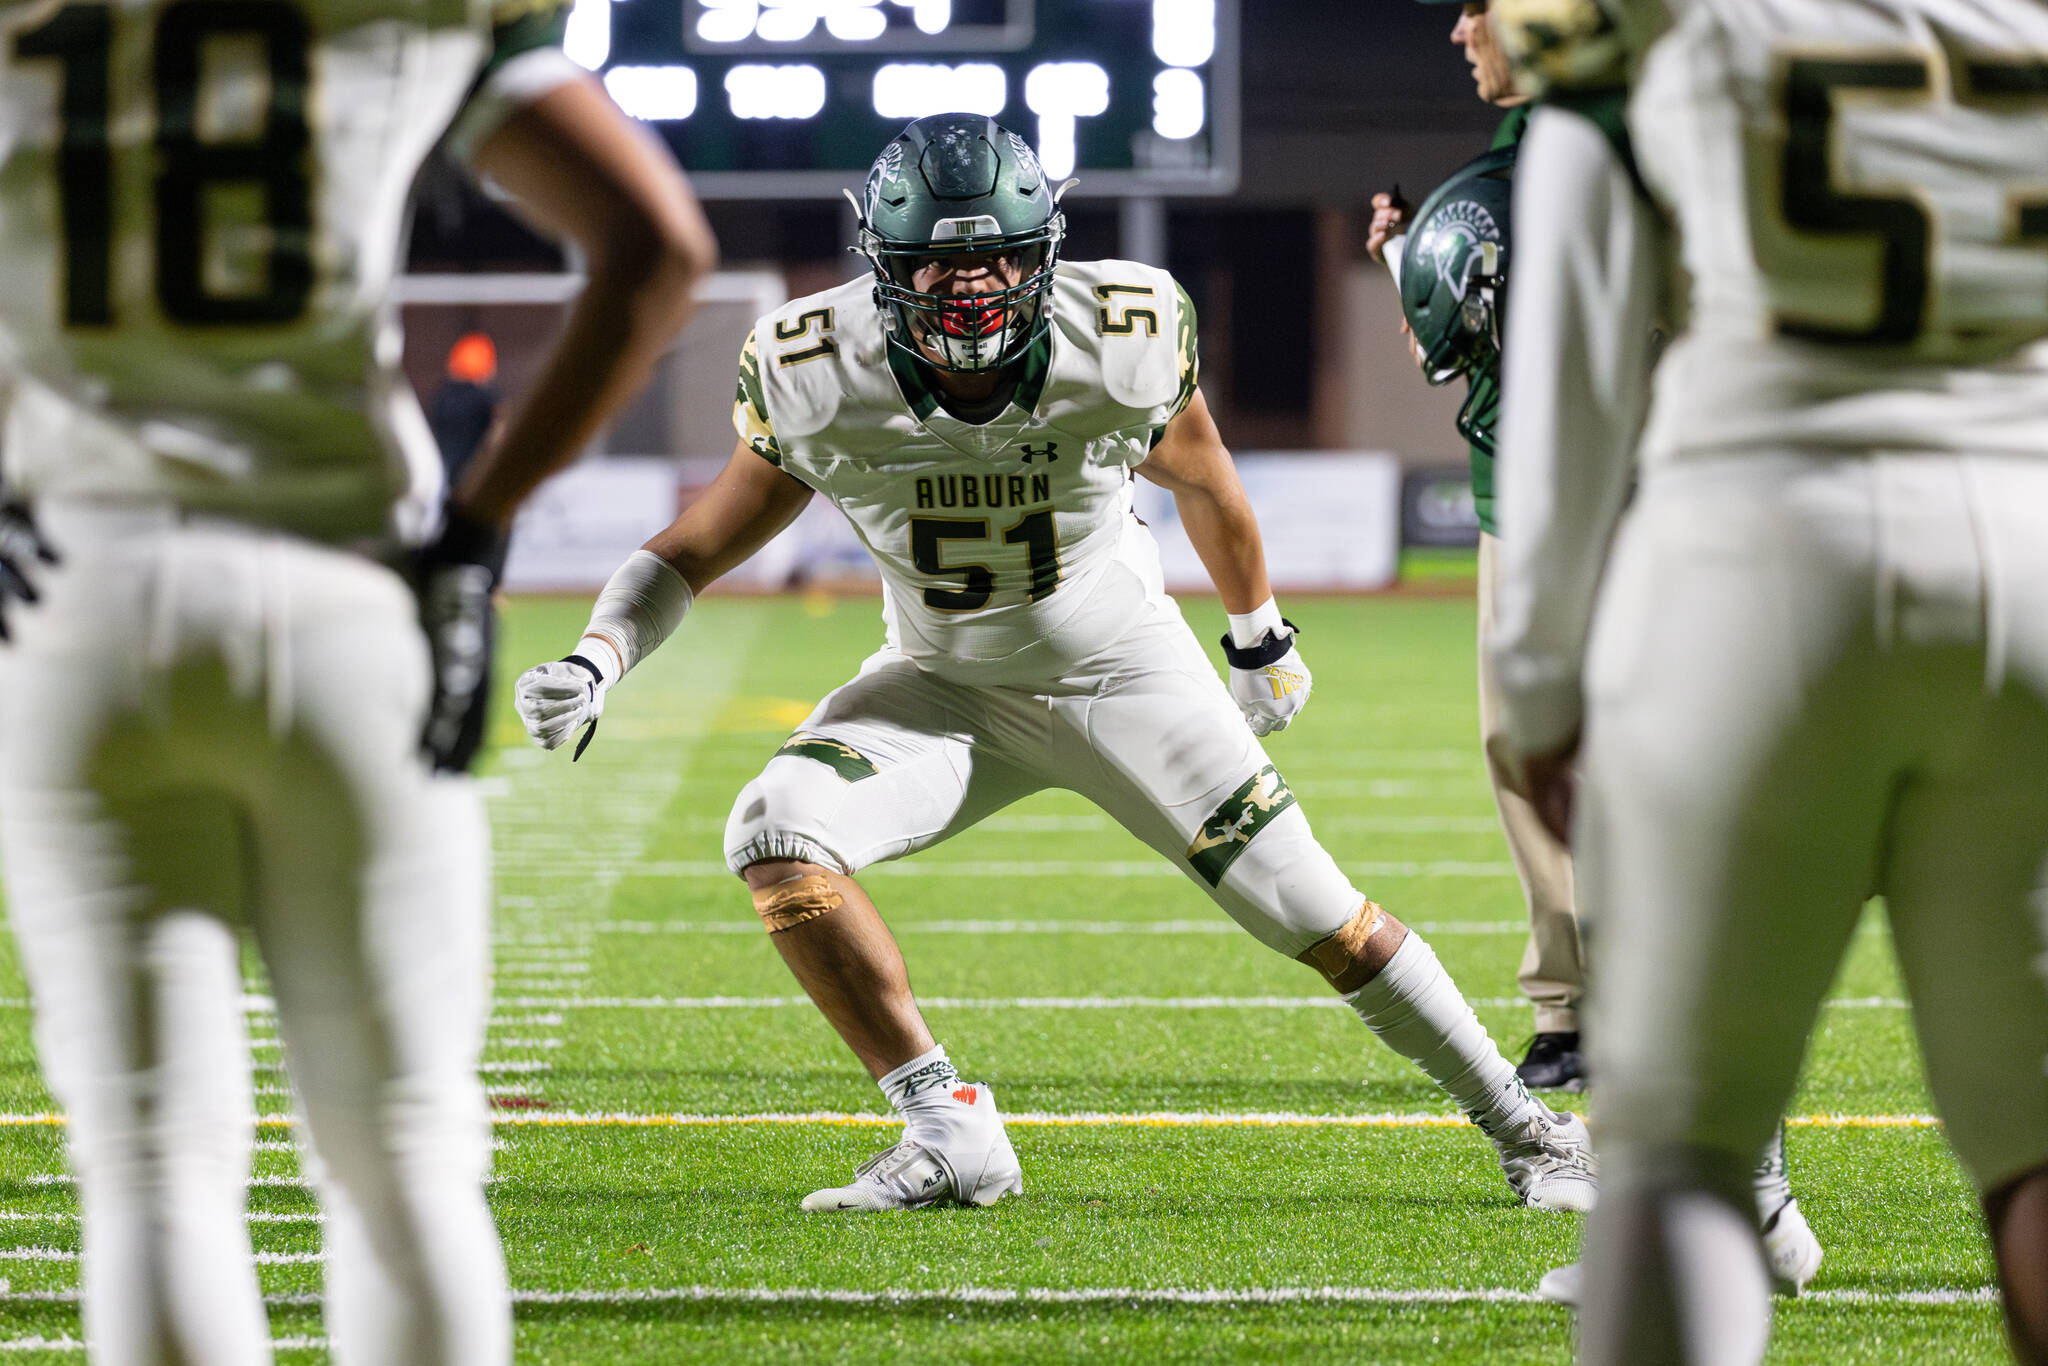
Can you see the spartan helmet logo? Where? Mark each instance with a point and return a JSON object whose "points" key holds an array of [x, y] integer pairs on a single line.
{"points": [[1464, 242]]}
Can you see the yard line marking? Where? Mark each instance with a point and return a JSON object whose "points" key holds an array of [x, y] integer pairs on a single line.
{"points": [[1050, 1003], [36, 1254], [1160, 1119], [1220, 925], [288, 1344], [1164, 1119], [1000, 1295], [71, 1217], [1079, 868]]}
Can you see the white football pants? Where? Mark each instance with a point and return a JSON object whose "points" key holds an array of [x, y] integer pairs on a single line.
{"points": [[1145, 730], [208, 729], [1811, 681]]}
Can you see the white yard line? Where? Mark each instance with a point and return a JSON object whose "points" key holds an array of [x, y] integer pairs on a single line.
{"points": [[1048, 1003], [1219, 925], [1106, 868], [1158, 1119], [970, 1295]]}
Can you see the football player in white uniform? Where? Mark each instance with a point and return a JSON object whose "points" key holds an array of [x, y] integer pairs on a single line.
{"points": [[977, 409], [1812, 664], [223, 713]]}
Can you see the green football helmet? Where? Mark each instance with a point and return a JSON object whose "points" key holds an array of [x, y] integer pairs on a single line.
{"points": [[1454, 279], [959, 185]]}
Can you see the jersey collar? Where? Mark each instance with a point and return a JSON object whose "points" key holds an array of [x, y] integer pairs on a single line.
{"points": [[923, 399]]}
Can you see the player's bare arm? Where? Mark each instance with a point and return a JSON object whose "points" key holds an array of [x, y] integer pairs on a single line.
{"points": [[581, 170], [1267, 675], [746, 506], [1192, 464]]}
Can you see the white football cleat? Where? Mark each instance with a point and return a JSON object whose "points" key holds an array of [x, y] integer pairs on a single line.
{"points": [[967, 1161], [1790, 1249], [1548, 1160]]}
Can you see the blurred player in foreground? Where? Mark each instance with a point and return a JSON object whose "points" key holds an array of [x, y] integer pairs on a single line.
{"points": [[1452, 261], [976, 408], [1818, 667], [215, 713]]}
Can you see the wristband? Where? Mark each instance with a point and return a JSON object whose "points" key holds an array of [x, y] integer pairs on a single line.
{"points": [[1270, 650]]}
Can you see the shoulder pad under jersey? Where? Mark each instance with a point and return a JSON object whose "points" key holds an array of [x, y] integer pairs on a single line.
{"points": [[1138, 326], [814, 354]]}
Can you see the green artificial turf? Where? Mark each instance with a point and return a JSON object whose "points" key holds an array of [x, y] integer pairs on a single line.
{"points": [[1068, 971]]}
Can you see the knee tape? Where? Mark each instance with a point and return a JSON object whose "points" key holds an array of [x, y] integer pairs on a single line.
{"points": [[791, 903], [1333, 956]]}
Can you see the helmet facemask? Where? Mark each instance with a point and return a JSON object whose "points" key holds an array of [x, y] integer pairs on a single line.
{"points": [[967, 333], [1472, 346]]}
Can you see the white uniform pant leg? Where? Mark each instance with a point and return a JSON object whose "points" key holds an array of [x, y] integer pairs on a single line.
{"points": [[372, 905], [1756, 696], [138, 992], [1966, 872], [1727, 838], [1163, 749], [891, 762]]}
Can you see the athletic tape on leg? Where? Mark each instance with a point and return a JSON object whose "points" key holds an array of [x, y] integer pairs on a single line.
{"points": [[1334, 956], [791, 903]]}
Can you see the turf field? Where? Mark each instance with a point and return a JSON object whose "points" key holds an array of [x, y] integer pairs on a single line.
{"points": [[1220, 1164]]}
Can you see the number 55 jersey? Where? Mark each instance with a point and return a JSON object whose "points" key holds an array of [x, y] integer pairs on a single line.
{"points": [[202, 205], [1008, 549], [1862, 190]]}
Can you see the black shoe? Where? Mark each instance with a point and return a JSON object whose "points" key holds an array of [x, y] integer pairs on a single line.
{"points": [[1553, 1063]]}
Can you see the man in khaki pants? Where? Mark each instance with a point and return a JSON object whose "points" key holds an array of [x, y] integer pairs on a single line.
{"points": [[1550, 974]]}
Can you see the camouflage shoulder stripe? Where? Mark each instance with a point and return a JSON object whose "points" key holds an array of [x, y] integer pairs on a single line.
{"points": [[750, 407], [1231, 827], [1187, 351], [848, 762]]}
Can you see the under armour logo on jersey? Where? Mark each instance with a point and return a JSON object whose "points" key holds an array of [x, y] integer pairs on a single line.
{"points": [[1050, 450]]}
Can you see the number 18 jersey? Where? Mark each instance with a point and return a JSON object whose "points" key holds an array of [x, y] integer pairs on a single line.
{"points": [[1861, 188], [202, 206], [1008, 549]]}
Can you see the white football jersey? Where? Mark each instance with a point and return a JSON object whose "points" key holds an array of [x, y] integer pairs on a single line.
{"points": [[1861, 187], [202, 206], [993, 539]]}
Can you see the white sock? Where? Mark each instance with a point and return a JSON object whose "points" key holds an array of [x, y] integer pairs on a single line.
{"points": [[1772, 1179], [921, 1083], [1416, 1010]]}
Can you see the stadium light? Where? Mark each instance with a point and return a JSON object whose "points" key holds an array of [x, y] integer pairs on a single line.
{"points": [[653, 93], [1176, 103], [775, 92], [856, 21], [1060, 93], [910, 90], [588, 38], [1184, 31], [727, 21], [930, 16]]}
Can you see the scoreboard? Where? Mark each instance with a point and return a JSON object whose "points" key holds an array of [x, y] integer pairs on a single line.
{"points": [[766, 99]]}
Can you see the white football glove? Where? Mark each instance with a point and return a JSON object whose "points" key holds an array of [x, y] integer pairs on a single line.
{"points": [[1268, 680], [557, 697]]}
